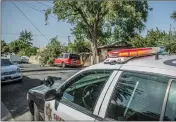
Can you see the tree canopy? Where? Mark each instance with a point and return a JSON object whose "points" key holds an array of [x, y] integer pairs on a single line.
{"points": [[26, 36], [78, 46], [4, 47], [156, 38], [97, 21], [52, 50], [173, 16], [21, 46]]}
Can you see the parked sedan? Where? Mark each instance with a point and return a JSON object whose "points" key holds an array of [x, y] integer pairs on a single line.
{"points": [[9, 71], [24, 59]]}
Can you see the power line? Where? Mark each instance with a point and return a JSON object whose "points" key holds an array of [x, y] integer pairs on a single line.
{"points": [[43, 4], [29, 4], [36, 9], [34, 34], [29, 21], [19, 34]]}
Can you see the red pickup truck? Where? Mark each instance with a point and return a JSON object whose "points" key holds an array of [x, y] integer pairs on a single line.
{"points": [[67, 59]]}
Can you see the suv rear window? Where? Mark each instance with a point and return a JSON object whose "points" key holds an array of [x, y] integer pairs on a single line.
{"points": [[74, 56], [65, 55]]}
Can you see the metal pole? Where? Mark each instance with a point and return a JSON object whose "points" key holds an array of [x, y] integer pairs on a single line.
{"points": [[69, 39]]}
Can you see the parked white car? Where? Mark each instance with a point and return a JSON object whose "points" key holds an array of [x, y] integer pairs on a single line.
{"points": [[24, 59], [9, 71], [14, 58]]}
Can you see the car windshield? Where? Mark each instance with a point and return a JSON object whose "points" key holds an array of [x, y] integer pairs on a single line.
{"points": [[5, 62], [74, 56]]}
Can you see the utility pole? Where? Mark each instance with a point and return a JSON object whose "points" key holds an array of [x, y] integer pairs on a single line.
{"points": [[69, 39], [170, 38]]}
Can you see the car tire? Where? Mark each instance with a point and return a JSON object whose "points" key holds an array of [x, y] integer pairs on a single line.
{"points": [[21, 80], [37, 116], [63, 65]]}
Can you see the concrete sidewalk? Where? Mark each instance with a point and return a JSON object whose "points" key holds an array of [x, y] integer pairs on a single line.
{"points": [[5, 114]]}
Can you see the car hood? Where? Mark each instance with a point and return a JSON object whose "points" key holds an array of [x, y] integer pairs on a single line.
{"points": [[42, 89], [9, 68]]}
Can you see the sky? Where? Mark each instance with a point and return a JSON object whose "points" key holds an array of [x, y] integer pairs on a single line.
{"points": [[13, 21]]}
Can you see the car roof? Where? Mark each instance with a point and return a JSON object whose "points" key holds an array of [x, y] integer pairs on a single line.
{"points": [[166, 64], [161, 63]]}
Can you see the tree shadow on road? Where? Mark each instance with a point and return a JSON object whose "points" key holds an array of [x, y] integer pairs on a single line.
{"points": [[14, 95]]}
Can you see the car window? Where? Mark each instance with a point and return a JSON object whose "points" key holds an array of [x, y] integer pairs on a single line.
{"points": [[65, 55], [85, 90], [74, 56], [61, 56], [5, 62], [137, 97], [170, 113]]}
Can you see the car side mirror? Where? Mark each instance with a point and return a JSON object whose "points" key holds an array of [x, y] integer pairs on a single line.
{"points": [[49, 80], [50, 95]]}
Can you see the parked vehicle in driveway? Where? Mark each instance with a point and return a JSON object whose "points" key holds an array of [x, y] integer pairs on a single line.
{"points": [[14, 58], [68, 59], [9, 71], [136, 85], [24, 59]]}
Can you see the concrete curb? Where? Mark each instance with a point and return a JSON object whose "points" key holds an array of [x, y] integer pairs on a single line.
{"points": [[49, 69]]}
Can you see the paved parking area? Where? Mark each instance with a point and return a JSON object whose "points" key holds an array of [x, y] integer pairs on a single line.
{"points": [[13, 95]]}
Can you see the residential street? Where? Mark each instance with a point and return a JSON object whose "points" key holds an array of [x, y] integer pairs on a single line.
{"points": [[88, 60], [13, 95]]}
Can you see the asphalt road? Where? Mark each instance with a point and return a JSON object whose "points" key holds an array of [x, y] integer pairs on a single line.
{"points": [[13, 95]]}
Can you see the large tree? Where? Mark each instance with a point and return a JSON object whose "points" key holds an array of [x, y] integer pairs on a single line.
{"points": [[78, 46], [4, 47], [97, 20], [23, 45], [26, 36], [52, 50], [155, 38]]}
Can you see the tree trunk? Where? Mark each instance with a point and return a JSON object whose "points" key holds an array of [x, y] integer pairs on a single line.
{"points": [[94, 39], [94, 51]]}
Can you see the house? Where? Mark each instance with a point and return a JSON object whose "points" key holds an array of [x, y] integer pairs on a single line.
{"points": [[103, 50]]}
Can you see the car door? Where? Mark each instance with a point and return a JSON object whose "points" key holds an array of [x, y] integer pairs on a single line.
{"points": [[82, 96], [136, 96], [58, 59], [170, 109]]}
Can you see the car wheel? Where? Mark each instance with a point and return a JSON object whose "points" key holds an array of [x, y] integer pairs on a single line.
{"points": [[63, 65], [21, 80], [37, 116]]}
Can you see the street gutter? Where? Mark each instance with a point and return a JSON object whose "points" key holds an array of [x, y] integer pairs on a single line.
{"points": [[48, 69]]}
